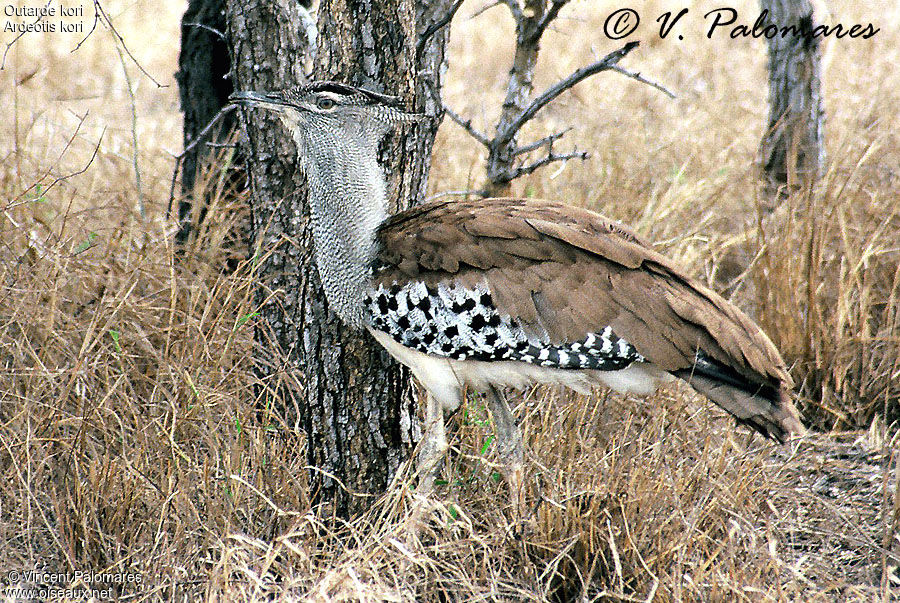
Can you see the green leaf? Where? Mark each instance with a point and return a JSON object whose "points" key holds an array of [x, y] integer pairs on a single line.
{"points": [[38, 195], [243, 319], [115, 337], [86, 244], [475, 412], [453, 512], [191, 384], [487, 444], [676, 174], [237, 424]]}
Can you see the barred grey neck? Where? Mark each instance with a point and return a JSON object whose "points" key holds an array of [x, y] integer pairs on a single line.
{"points": [[348, 201]]}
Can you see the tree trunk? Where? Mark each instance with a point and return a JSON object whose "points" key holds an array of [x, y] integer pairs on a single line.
{"points": [[334, 384], [792, 149], [518, 93], [203, 87]]}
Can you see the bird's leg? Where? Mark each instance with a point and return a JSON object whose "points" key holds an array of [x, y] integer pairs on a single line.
{"points": [[433, 446], [509, 444], [432, 449]]}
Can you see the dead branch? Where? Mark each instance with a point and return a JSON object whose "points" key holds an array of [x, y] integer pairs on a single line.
{"points": [[549, 158], [545, 141], [515, 10], [437, 23], [19, 200], [101, 16], [134, 136], [16, 38], [548, 18], [466, 124], [636, 75], [506, 158], [484, 9], [206, 27], [546, 97]]}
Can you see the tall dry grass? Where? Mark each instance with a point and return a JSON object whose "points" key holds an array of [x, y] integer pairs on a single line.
{"points": [[131, 439]]}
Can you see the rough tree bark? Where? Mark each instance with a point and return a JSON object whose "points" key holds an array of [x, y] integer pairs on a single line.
{"points": [[336, 385], [792, 150]]}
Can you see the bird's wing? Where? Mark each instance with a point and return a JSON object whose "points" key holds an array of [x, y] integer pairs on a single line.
{"points": [[568, 271], [562, 273]]}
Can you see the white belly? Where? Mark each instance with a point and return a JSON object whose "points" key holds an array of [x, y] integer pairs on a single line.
{"points": [[446, 378]]}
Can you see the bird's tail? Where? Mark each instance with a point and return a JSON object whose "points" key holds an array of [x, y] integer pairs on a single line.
{"points": [[766, 407]]}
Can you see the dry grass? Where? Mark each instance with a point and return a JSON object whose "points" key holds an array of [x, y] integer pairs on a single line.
{"points": [[130, 439]]}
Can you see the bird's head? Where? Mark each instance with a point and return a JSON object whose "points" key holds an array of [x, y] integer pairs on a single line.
{"points": [[327, 109]]}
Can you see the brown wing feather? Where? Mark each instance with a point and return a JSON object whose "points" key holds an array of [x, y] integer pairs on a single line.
{"points": [[569, 271]]}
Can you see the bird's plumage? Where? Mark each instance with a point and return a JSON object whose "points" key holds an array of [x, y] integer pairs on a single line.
{"points": [[501, 293], [563, 272]]}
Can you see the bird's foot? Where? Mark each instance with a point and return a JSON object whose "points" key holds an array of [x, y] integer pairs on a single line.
{"points": [[523, 519], [432, 448], [428, 517], [423, 510]]}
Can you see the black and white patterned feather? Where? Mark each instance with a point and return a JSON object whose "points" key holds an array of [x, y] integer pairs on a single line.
{"points": [[463, 324]]}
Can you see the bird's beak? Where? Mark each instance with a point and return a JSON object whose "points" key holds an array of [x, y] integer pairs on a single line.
{"points": [[264, 100]]}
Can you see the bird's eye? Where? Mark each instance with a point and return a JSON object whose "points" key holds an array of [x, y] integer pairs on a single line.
{"points": [[325, 103]]}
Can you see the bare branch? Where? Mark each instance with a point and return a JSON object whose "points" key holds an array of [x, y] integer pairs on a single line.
{"points": [[547, 140], [91, 30], [466, 125], [18, 200], [550, 158], [546, 97], [134, 136], [58, 179], [86, 165], [636, 75], [436, 26], [515, 9], [485, 9], [98, 10], [21, 33], [519, 106], [207, 28], [548, 18]]}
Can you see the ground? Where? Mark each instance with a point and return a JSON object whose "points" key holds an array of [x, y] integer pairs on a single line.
{"points": [[131, 444]]}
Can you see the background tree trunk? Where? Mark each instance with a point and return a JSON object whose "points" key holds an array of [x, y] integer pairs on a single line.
{"points": [[203, 86], [792, 149], [334, 384], [501, 157]]}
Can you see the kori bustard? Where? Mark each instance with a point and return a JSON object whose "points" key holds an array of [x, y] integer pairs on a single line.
{"points": [[498, 293]]}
